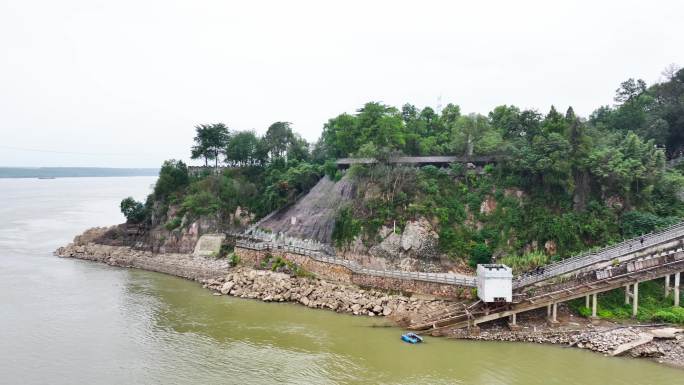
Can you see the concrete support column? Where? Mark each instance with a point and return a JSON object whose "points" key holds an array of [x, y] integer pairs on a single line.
{"points": [[667, 285], [593, 305], [676, 289], [548, 311], [627, 294], [512, 323], [635, 299], [586, 301], [555, 312]]}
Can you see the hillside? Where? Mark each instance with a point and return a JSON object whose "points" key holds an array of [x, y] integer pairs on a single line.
{"points": [[557, 183]]}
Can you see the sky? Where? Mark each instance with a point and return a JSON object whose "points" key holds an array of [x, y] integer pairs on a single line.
{"points": [[122, 83]]}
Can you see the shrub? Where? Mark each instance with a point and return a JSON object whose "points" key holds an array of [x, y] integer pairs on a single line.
{"points": [[234, 259], [480, 254], [671, 315], [525, 262], [584, 311], [173, 223], [346, 227], [635, 223], [173, 177], [133, 210]]}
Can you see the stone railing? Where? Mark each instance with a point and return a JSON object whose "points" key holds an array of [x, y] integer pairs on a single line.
{"points": [[442, 278]]}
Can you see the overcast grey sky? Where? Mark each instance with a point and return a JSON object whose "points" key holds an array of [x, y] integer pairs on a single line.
{"points": [[122, 83]]}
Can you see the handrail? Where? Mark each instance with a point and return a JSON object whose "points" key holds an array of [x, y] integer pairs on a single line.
{"points": [[630, 246], [583, 260], [446, 278]]}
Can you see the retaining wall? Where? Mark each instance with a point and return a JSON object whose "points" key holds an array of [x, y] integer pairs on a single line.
{"points": [[341, 274]]}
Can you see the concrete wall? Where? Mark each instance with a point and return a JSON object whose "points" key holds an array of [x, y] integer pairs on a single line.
{"points": [[341, 274]]}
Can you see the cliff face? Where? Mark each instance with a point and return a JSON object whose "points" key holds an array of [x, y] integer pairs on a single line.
{"points": [[158, 238]]}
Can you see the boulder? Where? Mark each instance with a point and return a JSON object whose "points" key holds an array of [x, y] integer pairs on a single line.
{"points": [[225, 289]]}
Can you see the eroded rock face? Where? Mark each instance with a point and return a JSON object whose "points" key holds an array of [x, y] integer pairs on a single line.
{"points": [[417, 243], [488, 205]]}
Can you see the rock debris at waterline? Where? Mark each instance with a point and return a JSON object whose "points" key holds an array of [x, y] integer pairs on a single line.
{"points": [[218, 275]]}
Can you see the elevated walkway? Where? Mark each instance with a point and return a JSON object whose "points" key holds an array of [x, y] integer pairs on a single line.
{"points": [[588, 284], [422, 160]]}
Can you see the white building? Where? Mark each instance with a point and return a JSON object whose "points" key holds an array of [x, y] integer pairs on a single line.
{"points": [[494, 283]]}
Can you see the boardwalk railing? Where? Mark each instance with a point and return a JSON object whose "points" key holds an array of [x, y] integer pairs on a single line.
{"points": [[443, 278], [423, 160], [609, 253], [578, 262]]}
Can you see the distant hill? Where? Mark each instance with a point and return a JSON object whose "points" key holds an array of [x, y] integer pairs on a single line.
{"points": [[70, 172]]}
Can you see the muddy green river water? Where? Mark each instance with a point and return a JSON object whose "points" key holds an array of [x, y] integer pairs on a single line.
{"points": [[67, 321]]}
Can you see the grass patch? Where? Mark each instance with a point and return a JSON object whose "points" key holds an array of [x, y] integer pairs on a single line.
{"points": [[653, 305], [525, 262]]}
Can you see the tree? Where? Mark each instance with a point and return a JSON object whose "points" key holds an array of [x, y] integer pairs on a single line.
{"points": [[211, 140], [133, 210], [173, 177], [629, 90], [473, 133], [382, 125], [507, 119], [242, 148], [277, 138], [297, 149]]}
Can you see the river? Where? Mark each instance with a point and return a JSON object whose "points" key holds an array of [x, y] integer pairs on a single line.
{"points": [[66, 321]]}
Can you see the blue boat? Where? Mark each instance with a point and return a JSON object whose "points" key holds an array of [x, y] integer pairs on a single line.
{"points": [[411, 338]]}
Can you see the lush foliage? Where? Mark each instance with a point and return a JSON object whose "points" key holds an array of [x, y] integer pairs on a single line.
{"points": [[653, 305], [133, 210], [561, 183]]}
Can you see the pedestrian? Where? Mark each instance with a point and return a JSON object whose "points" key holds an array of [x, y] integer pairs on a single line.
{"points": [[642, 241]]}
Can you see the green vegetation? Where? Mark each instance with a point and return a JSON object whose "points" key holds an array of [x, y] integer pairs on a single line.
{"points": [[280, 264], [562, 184], [653, 305], [234, 259], [525, 262], [133, 210]]}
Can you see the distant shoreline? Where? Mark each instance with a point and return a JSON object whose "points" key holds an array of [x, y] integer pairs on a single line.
{"points": [[74, 172]]}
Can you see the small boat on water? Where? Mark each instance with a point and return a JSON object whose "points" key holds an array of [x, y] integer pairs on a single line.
{"points": [[411, 338]]}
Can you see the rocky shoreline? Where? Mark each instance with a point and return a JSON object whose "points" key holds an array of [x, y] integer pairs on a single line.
{"points": [[265, 285], [664, 346], [659, 343]]}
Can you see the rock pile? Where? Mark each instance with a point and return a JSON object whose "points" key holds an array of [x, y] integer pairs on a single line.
{"points": [[666, 345], [217, 274], [314, 293]]}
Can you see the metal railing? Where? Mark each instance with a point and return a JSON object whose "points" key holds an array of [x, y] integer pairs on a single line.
{"points": [[443, 278], [584, 260], [609, 253]]}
